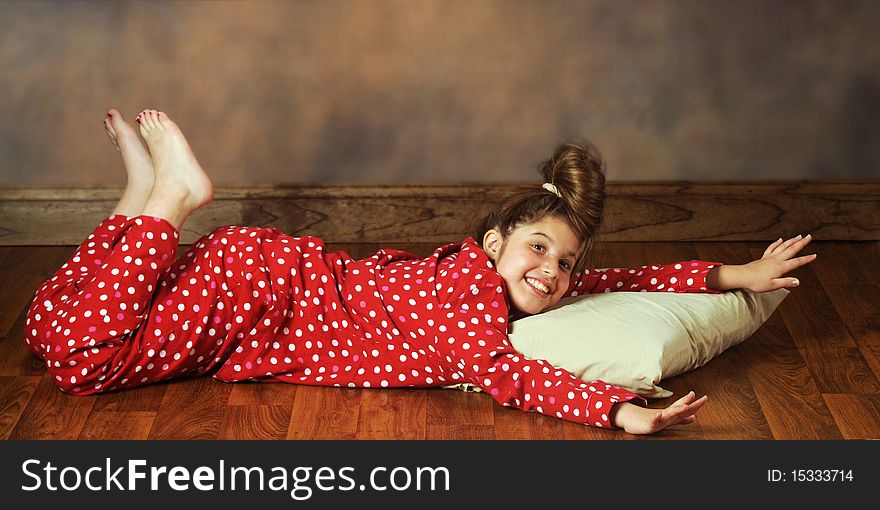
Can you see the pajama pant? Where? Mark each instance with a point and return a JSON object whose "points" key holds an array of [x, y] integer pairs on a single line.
{"points": [[122, 312]]}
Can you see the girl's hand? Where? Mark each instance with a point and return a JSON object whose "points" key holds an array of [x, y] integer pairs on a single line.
{"points": [[641, 420], [768, 273]]}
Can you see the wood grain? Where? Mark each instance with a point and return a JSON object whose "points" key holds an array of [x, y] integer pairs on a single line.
{"points": [[192, 410], [255, 422], [15, 395], [635, 211], [857, 416], [397, 413], [54, 415], [325, 413], [118, 425], [829, 351], [454, 414]]}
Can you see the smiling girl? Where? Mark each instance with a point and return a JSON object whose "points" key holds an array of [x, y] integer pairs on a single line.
{"points": [[246, 303]]}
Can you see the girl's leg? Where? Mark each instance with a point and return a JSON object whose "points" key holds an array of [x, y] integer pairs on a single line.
{"points": [[181, 186], [83, 319], [137, 161]]}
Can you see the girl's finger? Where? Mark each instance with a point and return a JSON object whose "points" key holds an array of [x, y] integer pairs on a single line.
{"points": [[770, 249], [685, 400], [785, 283], [797, 245]]}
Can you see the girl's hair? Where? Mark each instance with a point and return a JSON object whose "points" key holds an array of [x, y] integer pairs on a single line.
{"points": [[578, 172]]}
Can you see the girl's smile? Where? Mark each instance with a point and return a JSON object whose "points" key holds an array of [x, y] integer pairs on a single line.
{"points": [[535, 261]]}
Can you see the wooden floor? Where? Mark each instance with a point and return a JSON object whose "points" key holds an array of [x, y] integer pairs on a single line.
{"points": [[811, 372]]}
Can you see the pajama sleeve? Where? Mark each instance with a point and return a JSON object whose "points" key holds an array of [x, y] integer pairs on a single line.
{"points": [[687, 276], [471, 339]]}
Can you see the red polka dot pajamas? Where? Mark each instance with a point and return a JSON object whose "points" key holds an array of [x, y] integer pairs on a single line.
{"points": [[256, 304]]}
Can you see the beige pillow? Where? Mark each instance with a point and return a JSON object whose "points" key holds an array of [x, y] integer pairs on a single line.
{"points": [[637, 339]]}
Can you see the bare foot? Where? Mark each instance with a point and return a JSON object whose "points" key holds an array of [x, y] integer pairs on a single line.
{"points": [[138, 165], [181, 185]]}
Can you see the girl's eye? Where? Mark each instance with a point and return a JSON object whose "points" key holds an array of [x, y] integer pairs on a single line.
{"points": [[538, 247], [564, 265]]}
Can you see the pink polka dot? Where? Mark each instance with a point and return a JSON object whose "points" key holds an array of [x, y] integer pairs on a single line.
{"points": [[118, 294], [89, 295], [229, 260], [355, 357], [494, 391], [216, 319], [213, 285], [363, 304], [336, 368], [120, 316], [97, 262], [57, 348], [168, 302], [92, 329], [384, 288], [402, 318], [248, 365], [419, 280], [158, 319], [164, 256], [552, 399], [299, 359], [455, 276]]}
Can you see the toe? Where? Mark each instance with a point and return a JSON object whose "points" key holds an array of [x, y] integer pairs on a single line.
{"points": [[109, 127]]}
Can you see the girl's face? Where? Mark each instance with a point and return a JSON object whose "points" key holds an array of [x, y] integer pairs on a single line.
{"points": [[535, 261]]}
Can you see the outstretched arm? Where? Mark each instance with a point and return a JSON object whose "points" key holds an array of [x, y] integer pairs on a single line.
{"points": [[766, 274]]}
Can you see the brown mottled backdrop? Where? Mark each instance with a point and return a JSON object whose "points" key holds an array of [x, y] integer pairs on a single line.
{"points": [[278, 92]]}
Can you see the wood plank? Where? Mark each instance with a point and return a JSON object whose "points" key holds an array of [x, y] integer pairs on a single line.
{"points": [[453, 414], [191, 409], [141, 399], [857, 416], [783, 385], [262, 394], [15, 357], [785, 388], [325, 413], [15, 395], [842, 262], [732, 411], [392, 414], [255, 422], [118, 425], [52, 414], [512, 424], [828, 350], [22, 270], [635, 211], [858, 306]]}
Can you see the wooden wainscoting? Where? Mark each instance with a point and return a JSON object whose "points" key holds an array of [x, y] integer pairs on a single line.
{"points": [[635, 211]]}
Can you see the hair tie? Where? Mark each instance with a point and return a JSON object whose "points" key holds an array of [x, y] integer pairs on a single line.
{"points": [[552, 189]]}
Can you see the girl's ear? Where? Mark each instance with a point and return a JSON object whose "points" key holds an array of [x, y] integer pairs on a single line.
{"points": [[492, 242]]}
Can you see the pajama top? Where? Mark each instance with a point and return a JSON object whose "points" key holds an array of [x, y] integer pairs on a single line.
{"points": [[245, 303]]}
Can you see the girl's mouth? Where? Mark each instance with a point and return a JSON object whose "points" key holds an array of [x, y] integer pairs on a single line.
{"points": [[538, 287]]}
